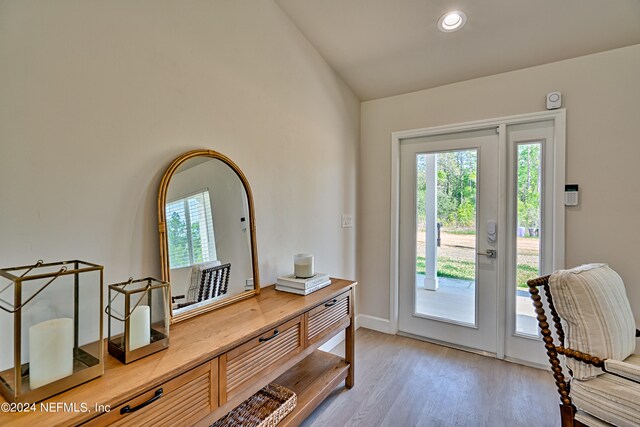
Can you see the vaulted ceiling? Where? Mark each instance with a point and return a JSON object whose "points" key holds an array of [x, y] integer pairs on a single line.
{"points": [[389, 47]]}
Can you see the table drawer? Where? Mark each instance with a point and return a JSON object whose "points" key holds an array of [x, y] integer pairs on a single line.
{"points": [[181, 401], [328, 317], [242, 366]]}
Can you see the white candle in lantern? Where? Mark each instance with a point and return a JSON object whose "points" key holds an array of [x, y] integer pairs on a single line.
{"points": [[140, 327], [303, 265], [50, 351]]}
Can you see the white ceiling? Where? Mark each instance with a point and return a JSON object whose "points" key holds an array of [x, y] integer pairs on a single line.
{"points": [[389, 47]]}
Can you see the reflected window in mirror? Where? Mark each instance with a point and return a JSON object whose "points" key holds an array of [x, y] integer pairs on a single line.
{"points": [[190, 231]]}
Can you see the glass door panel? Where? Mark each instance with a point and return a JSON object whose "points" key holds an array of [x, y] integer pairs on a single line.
{"points": [[528, 232], [445, 286]]}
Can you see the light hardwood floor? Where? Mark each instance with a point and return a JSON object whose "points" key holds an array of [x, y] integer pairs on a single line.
{"points": [[404, 382]]}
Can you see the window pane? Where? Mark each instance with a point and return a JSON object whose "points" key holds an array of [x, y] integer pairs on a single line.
{"points": [[528, 232], [190, 231], [198, 228], [177, 235], [446, 235], [210, 241]]}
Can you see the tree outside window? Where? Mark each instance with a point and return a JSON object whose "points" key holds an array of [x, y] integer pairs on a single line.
{"points": [[190, 230]]}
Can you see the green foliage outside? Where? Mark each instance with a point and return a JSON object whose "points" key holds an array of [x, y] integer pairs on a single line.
{"points": [[525, 272], [456, 201], [196, 242], [179, 242], [450, 267], [457, 182], [529, 186], [465, 270]]}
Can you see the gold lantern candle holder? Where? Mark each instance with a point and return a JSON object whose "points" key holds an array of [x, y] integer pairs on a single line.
{"points": [[50, 328], [139, 318]]}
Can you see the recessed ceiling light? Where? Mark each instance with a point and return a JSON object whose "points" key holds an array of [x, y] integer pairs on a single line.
{"points": [[452, 21]]}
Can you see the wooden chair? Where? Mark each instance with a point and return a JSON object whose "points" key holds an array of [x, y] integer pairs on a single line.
{"points": [[214, 282], [624, 373]]}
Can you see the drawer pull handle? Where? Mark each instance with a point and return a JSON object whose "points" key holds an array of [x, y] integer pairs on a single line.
{"points": [[128, 409], [275, 334], [332, 303]]}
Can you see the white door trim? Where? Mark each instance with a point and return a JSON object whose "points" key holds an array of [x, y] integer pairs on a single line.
{"points": [[559, 119], [501, 274]]}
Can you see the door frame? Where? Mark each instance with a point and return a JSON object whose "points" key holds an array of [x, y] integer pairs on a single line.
{"points": [[559, 120]]}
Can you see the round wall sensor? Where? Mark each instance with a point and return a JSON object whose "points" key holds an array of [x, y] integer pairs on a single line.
{"points": [[554, 100]]}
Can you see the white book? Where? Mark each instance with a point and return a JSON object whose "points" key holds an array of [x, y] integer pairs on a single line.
{"points": [[302, 291], [292, 281]]}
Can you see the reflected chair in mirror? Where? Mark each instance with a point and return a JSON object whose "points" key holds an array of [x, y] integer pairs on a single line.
{"points": [[596, 334], [207, 282]]}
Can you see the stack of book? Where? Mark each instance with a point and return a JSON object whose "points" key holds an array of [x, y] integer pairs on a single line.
{"points": [[296, 285]]}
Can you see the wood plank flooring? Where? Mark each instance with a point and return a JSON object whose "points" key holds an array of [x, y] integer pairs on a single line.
{"points": [[404, 382]]}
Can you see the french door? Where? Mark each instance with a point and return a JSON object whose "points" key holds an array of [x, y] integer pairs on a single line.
{"points": [[480, 213], [459, 310]]}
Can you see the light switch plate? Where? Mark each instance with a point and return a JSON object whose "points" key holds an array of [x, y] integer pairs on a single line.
{"points": [[347, 220]]}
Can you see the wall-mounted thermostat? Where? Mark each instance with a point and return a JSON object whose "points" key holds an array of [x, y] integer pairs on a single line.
{"points": [[571, 195], [554, 100]]}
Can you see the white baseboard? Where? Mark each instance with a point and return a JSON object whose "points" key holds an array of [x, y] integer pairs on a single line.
{"points": [[544, 367], [375, 323], [329, 345], [369, 322]]}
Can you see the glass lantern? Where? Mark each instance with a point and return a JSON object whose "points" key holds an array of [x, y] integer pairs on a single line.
{"points": [[138, 313], [50, 327]]}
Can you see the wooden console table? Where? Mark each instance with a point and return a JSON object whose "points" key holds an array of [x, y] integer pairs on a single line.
{"points": [[215, 362]]}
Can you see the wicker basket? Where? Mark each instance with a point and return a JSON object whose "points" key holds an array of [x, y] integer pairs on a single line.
{"points": [[266, 408]]}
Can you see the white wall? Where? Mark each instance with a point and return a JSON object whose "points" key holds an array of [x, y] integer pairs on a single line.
{"points": [[98, 97], [602, 95]]}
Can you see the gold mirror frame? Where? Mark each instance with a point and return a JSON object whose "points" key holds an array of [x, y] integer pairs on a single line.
{"points": [[164, 243]]}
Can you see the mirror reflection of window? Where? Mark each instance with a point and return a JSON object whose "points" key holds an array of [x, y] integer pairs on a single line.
{"points": [[190, 230]]}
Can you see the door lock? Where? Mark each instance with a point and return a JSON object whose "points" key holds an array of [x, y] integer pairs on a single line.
{"points": [[491, 253]]}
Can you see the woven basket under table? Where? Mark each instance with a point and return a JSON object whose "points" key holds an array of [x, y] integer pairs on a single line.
{"points": [[266, 408]]}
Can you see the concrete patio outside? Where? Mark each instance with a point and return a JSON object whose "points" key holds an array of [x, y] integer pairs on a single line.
{"points": [[455, 301]]}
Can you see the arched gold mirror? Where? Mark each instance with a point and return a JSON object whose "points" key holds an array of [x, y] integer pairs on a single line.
{"points": [[208, 245]]}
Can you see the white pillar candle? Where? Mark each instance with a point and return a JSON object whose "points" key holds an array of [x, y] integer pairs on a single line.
{"points": [[303, 265], [140, 327], [50, 351]]}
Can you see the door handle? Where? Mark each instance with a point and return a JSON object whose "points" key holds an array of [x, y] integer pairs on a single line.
{"points": [[491, 253]]}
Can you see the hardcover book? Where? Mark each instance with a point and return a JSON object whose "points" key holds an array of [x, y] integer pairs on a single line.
{"points": [[302, 291], [292, 281]]}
